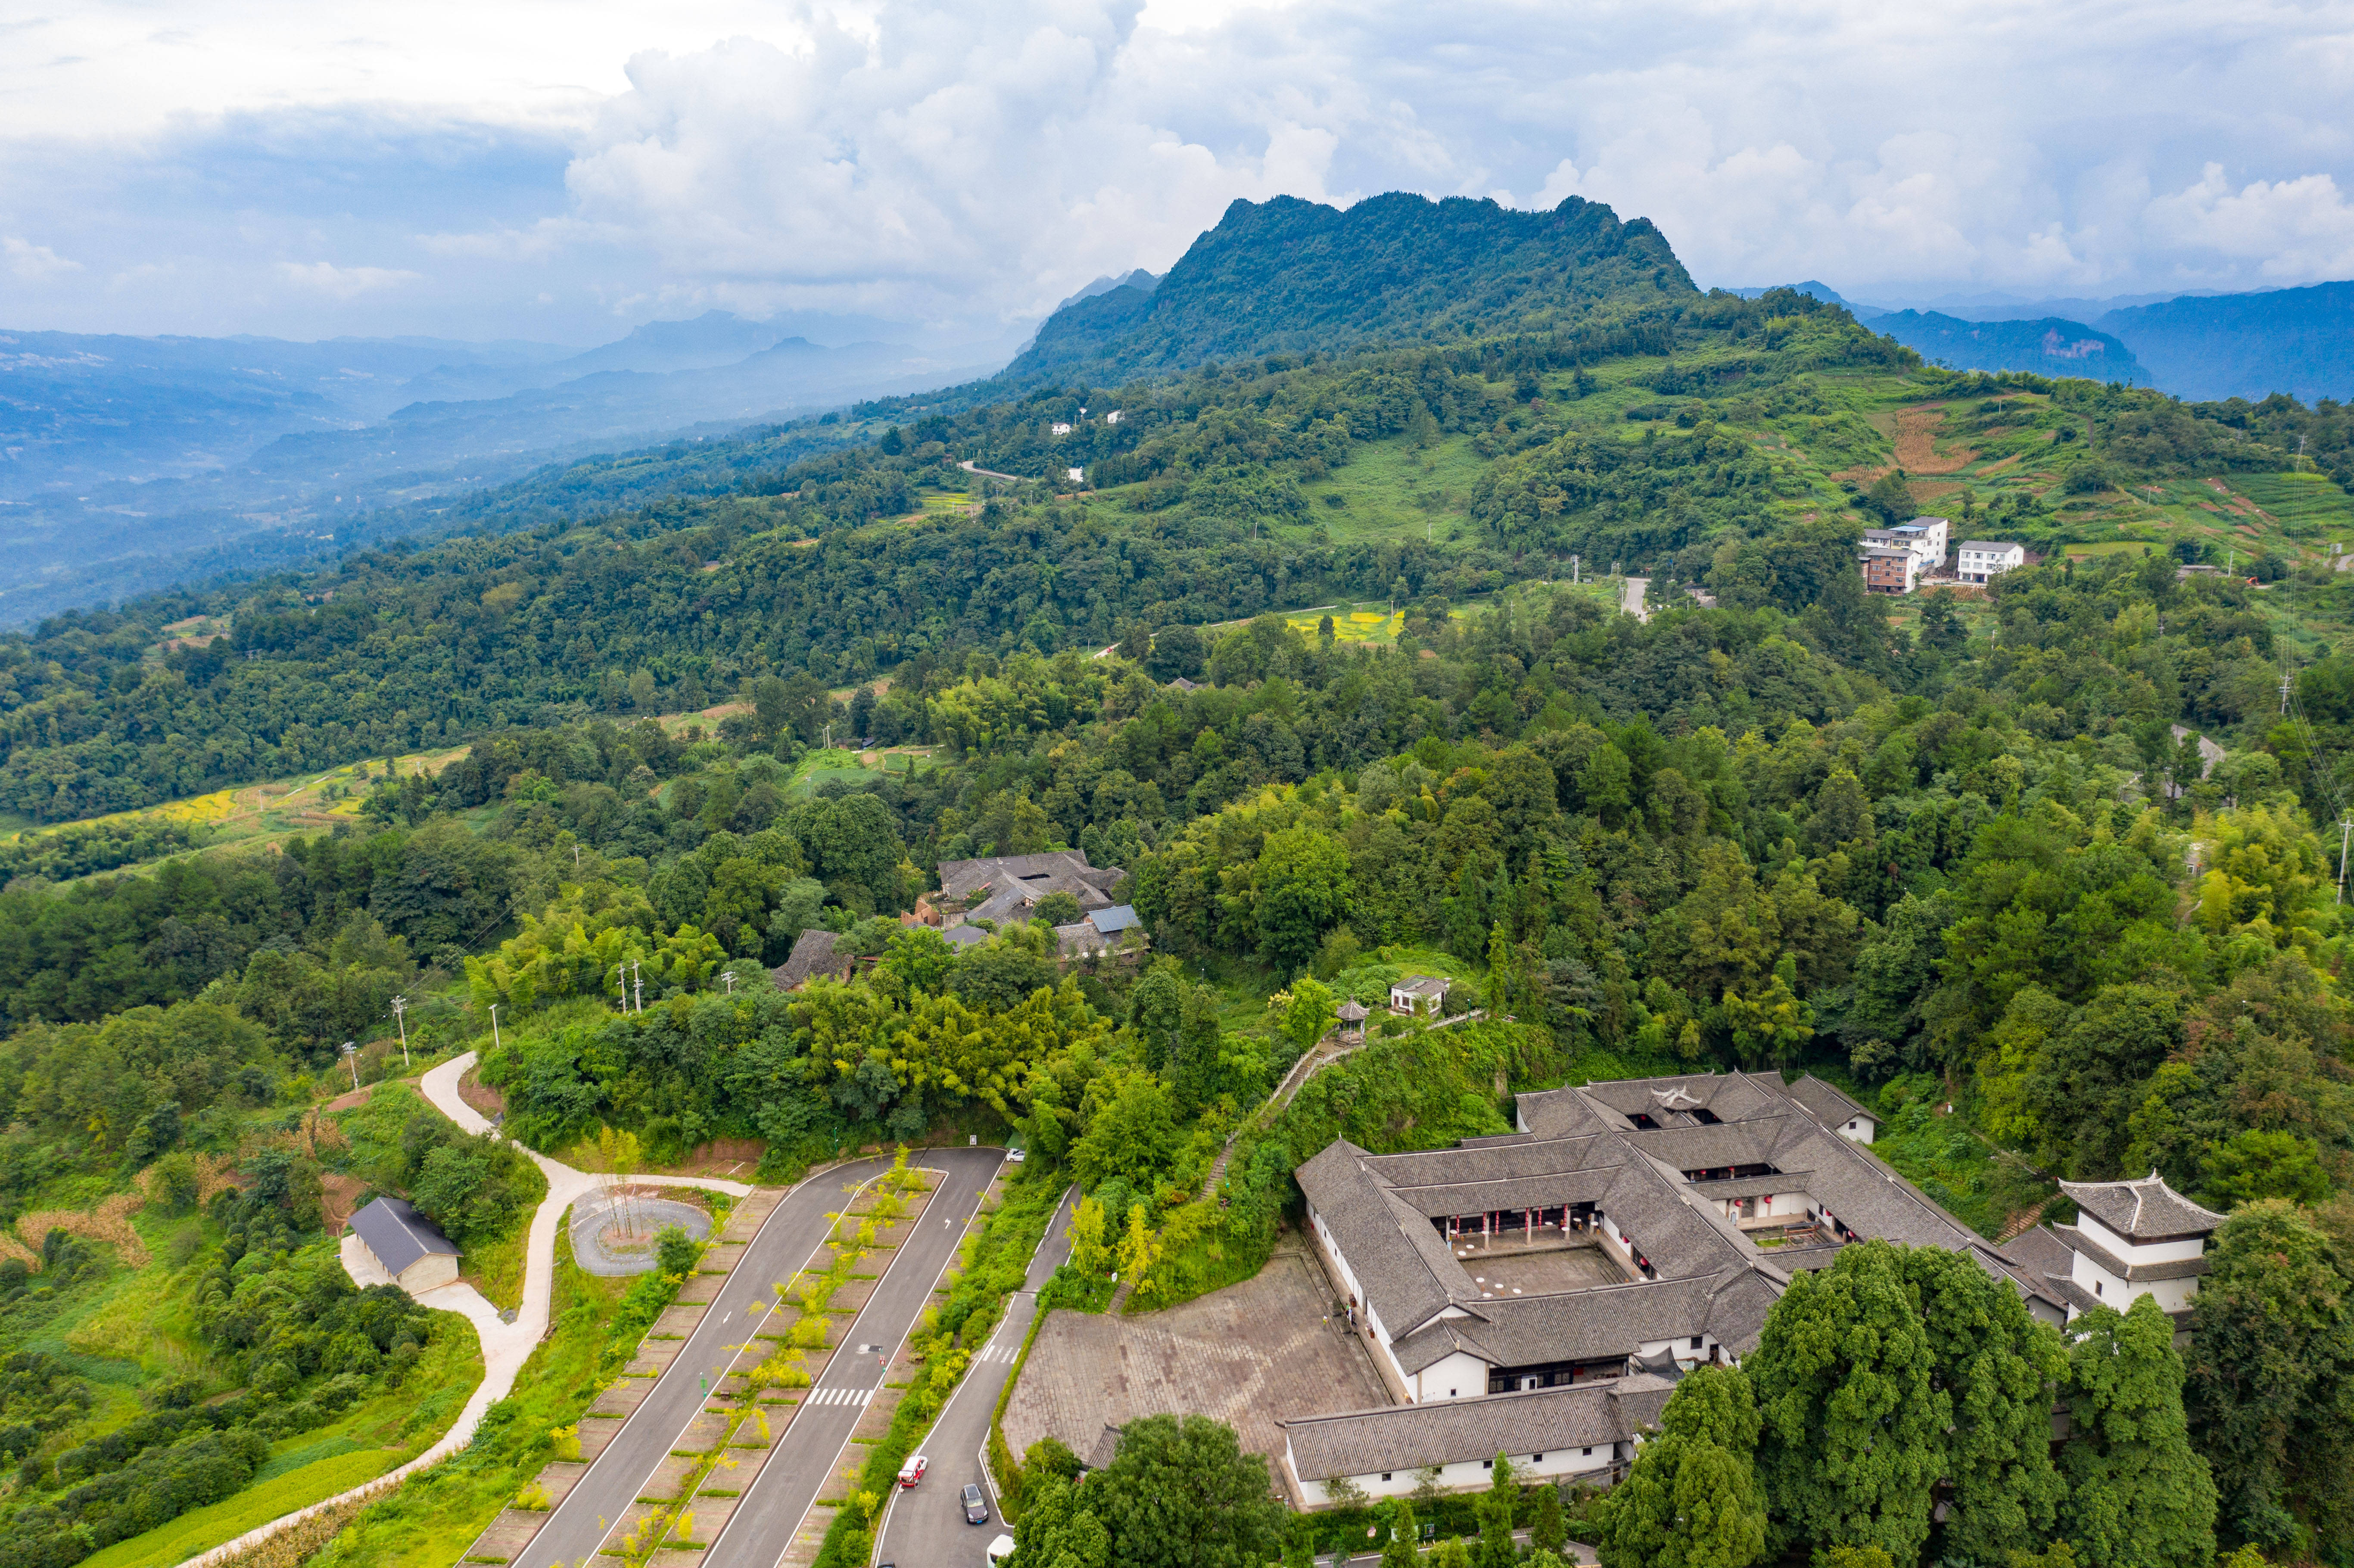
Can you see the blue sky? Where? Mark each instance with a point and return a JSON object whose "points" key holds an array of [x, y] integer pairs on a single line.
{"points": [[564, 171]]}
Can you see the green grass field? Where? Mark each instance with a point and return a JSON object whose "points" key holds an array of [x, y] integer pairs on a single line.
{"points": [[206, 1527]]}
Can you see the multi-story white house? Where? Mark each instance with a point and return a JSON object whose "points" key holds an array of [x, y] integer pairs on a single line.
{"points": [[1983, 560], [2130, 1239]]}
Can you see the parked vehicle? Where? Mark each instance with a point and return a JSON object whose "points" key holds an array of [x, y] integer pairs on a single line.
{"points": [[976, 1506], [999, 1551], [913, 1471]]}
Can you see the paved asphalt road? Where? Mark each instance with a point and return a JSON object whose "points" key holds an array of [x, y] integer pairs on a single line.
{"points": [[579, 1524], [806, 1458], [925, 1527]]}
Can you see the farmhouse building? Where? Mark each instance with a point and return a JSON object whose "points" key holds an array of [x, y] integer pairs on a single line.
{"points": [[1417, 993], [815, 953], [1006, 887], [1983, 560], [1617, 1231], [1584, 1433], [406, 1244]]}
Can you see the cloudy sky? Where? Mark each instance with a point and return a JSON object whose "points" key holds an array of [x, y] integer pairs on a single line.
{"points": [[563, 169]]}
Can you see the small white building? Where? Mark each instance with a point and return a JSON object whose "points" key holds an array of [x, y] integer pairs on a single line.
{"points": [[406, 1244], [1078, 475], [1835, 1110], [1413, 993], [1983, 560], [1061, 429], [2130, 1239], [1113, 418]]}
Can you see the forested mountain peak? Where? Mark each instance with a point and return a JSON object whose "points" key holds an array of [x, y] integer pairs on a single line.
{"points": [[1288, 275]]}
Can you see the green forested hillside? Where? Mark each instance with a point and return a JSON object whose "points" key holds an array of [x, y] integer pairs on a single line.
{"points": [[1301, 651], [1292, 276]]}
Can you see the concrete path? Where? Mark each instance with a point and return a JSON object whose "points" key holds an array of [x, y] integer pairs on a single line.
{"points": [[809, 1459], [927, 1525], [990, 472], [505, 1346], [1631, 597]]}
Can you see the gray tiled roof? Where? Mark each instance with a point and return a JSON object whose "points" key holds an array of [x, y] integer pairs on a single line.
{"points": [[1006, 885], [1701, 1147], [1404, 1268], [2144, 1211], [398, 1235], [1826, 1104], [1508, 1192], [1560, 1113], [1119, 917], [1712, 1277], [1458, 1431], [814, 954]]}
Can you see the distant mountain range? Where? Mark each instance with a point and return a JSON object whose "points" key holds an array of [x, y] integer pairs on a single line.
{"points": [[119, 457], [2205, 347]]}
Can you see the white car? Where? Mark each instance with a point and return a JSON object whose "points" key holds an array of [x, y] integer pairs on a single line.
{"points": [[1000, 1550], [1013, 1155]]}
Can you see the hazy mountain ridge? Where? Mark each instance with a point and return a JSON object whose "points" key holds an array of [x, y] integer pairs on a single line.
{"points": [[123, 460], [2048, 345], [2202, 347]]}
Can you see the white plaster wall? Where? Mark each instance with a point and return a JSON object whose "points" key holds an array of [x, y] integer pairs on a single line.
{"points": [[1465, 1374], [1471, 1475], [2140, 1252]]}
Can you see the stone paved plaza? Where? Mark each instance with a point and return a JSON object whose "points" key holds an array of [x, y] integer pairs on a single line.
{"points": [[1250, 1355]]}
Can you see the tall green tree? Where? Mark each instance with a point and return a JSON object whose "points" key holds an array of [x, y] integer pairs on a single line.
{"points": [[1693, 1499], [2271, 1390], [1495, 1510], [1401, 1547], [1180, 1493], [1853, 1429], [1999, 1366], [2138, 1497], [1303, 891]]}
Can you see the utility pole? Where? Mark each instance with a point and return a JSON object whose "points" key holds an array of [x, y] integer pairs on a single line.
{"points": [[352, 1060], [638, 973], [495, 1026], [2345, 829], [729, 976], [2284, 690], [400, 1008]]}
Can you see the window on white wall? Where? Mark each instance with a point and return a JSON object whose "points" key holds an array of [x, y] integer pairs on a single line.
{"points": [[1385, 1474]]}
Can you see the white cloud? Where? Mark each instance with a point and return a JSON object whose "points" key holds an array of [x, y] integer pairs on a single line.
{"points": [[2295, 229], [342, 282], [31, 263], [967, 165]]}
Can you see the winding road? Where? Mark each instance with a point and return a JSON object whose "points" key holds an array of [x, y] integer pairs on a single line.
{"points": [[505, 1346]]}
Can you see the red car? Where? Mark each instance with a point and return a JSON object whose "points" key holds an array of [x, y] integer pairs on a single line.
{"points": [[913, 1471]]}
